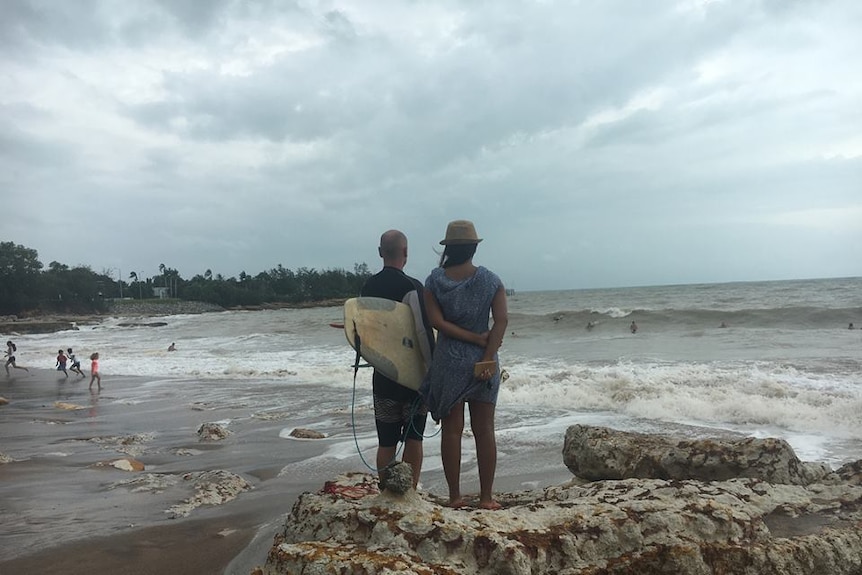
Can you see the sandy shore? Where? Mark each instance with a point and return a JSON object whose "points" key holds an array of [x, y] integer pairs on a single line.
{"points": [[62, 513]]}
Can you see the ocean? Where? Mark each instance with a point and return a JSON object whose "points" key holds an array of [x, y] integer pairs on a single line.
{"points": [[756, 358]]}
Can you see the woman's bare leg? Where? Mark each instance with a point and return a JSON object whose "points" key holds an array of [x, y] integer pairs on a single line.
{"points": [[482, 424], [450, 452]]}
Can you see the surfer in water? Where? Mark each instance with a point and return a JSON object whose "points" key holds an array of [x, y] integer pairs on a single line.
{"points": [[399, 412], [460, 297]]}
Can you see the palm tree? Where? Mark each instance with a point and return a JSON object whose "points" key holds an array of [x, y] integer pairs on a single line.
{"points": [[162, 271], [134, 276]]}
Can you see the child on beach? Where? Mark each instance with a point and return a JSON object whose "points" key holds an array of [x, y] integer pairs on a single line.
{"points": [[11, 348], [76, 365], [61, 362], [94, 371]]}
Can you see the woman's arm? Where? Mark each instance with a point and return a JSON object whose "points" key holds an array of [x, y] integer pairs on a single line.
{"points": [[435, 316], [500, 313]]}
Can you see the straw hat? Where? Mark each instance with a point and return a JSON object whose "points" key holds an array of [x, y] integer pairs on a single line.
{"points": [[460, 232]]}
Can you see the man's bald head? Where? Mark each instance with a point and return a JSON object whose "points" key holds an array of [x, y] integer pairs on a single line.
{"points": [[393, 249]]}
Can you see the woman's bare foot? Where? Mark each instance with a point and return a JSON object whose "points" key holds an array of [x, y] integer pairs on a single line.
{"points": [[490, 505], [456, 503]]}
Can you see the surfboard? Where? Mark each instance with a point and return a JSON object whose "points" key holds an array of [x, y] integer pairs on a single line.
{"points": [[388, 339]]}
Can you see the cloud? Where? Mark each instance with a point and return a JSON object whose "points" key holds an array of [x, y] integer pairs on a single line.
{"points": [[595, 143]]}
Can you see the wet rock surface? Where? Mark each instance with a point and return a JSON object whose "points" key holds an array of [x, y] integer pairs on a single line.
{"points": [[596, 453]]}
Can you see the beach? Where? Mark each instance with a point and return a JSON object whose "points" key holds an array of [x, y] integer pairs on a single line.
{"points": [[784, 366], [63, 514]]}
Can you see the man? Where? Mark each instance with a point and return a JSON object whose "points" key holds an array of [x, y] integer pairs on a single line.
{"points": [[398, 411]]}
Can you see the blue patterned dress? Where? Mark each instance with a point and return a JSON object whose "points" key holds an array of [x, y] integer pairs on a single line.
{"points": [[466, 303]]}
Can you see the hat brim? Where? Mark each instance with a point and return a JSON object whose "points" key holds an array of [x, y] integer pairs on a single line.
{"points": [[459, 242]]}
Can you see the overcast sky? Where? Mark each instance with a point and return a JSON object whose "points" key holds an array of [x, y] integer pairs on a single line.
{"points": [[594, 143]]}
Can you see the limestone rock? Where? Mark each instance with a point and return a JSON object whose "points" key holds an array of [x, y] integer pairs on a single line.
{"points": [[134, 445], [596, 453], [740, 525], [124, 464], [68, 406], [397, 478], [212, 432], [211, 488], [303, 433], [851, 473]]}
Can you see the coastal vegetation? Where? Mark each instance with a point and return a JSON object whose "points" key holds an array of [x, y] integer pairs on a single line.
{"points": [[27, 286]]}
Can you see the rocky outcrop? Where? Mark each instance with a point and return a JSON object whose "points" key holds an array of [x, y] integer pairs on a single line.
{"points": [[303, 433], [156, 307], [212, 432], [596, 453], [214, 487], [739, 525], [124, 464]]}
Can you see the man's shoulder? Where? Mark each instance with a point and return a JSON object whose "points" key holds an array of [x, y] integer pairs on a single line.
{"points": [[390, 283]]}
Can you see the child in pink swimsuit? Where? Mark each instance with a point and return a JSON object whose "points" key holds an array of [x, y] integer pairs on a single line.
{"points": [[94, 371]]}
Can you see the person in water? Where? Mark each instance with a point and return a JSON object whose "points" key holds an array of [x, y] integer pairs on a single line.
{"points": [[76, 365], [11, 348], [633, 327], [94, 371], [61, 362], [459, 297]]}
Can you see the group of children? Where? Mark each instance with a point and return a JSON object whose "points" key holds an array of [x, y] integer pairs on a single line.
{"points": [[62, 360]]}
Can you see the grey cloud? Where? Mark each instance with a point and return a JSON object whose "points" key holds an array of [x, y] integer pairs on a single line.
{"points": [[481, 117]]}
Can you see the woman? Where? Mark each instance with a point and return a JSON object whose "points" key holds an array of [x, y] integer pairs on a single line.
{"points": [[459, 297]]}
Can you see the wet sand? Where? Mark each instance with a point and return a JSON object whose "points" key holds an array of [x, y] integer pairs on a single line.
{"points": [[61, 513]]}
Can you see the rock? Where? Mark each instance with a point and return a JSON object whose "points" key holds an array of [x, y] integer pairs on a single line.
{"points": [[596, 453], [68, 406], [125, 464], [397, 478], [212, 432], [851, 473], [739, 525], [134, 445], [147, 483], [211, 488], [306, 433], [4, 401]]}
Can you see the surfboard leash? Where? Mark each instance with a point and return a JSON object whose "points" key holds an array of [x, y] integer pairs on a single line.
{"points": [[356, 366]]}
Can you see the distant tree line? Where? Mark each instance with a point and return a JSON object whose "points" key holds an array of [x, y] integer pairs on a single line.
{"points": [[26, 287]]}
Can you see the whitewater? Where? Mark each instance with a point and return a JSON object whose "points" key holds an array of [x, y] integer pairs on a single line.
{"points": [[758, 359]]}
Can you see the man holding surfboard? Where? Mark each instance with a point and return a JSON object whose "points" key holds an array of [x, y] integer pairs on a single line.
{"points": [[399, 412]]}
